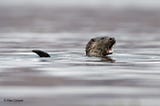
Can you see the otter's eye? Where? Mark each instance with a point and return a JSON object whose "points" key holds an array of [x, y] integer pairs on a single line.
{"points": [[93, 40]]}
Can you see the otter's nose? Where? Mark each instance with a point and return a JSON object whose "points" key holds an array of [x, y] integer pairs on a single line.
{"points": [[112, 39]]}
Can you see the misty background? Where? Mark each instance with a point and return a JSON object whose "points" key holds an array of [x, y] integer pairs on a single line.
{"points": [[79, 16], [121, 3]]}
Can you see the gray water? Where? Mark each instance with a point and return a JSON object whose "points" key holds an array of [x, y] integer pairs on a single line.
{"points": [[128, 77]]}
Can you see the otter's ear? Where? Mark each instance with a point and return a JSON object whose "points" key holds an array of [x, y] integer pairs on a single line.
{"points": [[93, 40]]}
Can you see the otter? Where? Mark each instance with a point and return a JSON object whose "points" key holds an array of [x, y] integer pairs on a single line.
{"points": [[98, 47]]}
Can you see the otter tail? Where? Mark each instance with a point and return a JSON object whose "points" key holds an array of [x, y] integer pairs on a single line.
{"points": [[41, 53]]}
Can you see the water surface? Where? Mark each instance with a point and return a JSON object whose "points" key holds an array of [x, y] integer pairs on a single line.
{"points": [[128, 77]]}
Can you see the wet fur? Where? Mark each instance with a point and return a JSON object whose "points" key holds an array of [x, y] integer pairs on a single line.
{"points": [[98, 46]]}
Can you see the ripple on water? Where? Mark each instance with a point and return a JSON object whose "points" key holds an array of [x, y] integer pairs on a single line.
{"points": [[131, 72]]}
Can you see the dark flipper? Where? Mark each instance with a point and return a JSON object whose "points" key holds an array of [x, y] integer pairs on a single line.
{"points": [[41, 53]]}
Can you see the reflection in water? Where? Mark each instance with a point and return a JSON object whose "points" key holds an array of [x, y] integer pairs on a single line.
{"points": [[108, 59]]}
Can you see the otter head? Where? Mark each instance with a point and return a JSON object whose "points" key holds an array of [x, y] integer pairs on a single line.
{"points": [[100, 46]]}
